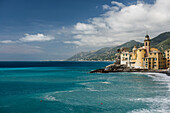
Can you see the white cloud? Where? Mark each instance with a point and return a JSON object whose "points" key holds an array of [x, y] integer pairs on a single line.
{"points": [[106, 6], [118, 4], [7, 41], [81, 27], [122, 23], [36, 38]]}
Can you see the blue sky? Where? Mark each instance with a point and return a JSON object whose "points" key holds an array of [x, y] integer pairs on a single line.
{"points": [[57, 29]]}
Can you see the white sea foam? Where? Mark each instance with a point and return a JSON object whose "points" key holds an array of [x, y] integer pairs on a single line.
{"points": [[105, 82], [158, 104], [85, 83], [90, 89], [163, 78], [50, 98], [64, 91]]}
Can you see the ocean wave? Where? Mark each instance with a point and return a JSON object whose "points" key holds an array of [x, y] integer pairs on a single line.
{"points": [[65, 91], [87, 83], [50, 98], [160, 77], [150, 111], [105, 82], [159, 104], [90, 89], [163, 78]]}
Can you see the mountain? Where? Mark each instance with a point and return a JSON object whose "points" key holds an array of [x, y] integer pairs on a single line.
{"points": [[162, 42], [107, 53], [160, 38], [162, 46]]}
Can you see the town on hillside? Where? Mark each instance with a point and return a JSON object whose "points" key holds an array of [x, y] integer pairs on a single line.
{"points": [[144, 57]]}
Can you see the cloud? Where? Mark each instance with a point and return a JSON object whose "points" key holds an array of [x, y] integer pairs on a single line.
{"points": [[118, 4], [106, 7], [36, 38], [30, 38], [121, 23], [7, 41]]}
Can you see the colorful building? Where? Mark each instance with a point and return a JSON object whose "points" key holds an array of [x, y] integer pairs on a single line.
{"points": [[167, 56], [145, 57], [125, 56]]}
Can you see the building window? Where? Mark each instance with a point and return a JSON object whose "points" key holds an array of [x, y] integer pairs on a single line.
{"points": [[150, 53], [155, 58], [154, 53]]}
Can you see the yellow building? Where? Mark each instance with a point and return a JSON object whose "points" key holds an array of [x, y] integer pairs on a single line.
{"points": [[155, 60], [146, 57], [141, 53], [133, 56], [167, 56]]}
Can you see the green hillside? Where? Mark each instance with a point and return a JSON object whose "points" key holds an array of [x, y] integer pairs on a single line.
{"points": [[162, 46], [162, 42], [107, 53], [160, 38]]}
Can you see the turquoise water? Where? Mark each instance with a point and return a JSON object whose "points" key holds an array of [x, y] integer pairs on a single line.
{"points": [[67, 87]]}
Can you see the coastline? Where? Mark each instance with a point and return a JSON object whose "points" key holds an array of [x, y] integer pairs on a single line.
{"points": [[136, 70]]}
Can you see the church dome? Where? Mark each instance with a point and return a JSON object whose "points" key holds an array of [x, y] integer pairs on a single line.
{"points": [[147, 36]]}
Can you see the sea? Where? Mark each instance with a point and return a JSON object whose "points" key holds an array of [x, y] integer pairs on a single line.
{"points": [[68, 87]]}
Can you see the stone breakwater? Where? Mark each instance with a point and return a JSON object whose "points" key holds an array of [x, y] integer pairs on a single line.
{"points": [[123, 68]]}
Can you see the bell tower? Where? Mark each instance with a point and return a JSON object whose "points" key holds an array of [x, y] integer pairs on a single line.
{"points": [[147, 42]]}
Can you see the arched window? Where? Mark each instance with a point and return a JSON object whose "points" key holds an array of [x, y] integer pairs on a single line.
{"points": [[146, 43]]}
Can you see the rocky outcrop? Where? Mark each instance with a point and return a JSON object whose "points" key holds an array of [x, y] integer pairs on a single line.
{"points": [[123, 68]]}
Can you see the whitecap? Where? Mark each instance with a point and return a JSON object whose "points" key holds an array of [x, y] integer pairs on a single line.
{"points": [[90, 89], [50, 98], [65, 91], [159, 104], [105, 82]]}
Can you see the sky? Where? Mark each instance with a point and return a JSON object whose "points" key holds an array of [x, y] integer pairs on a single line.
{"points": [[33, 30]]}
